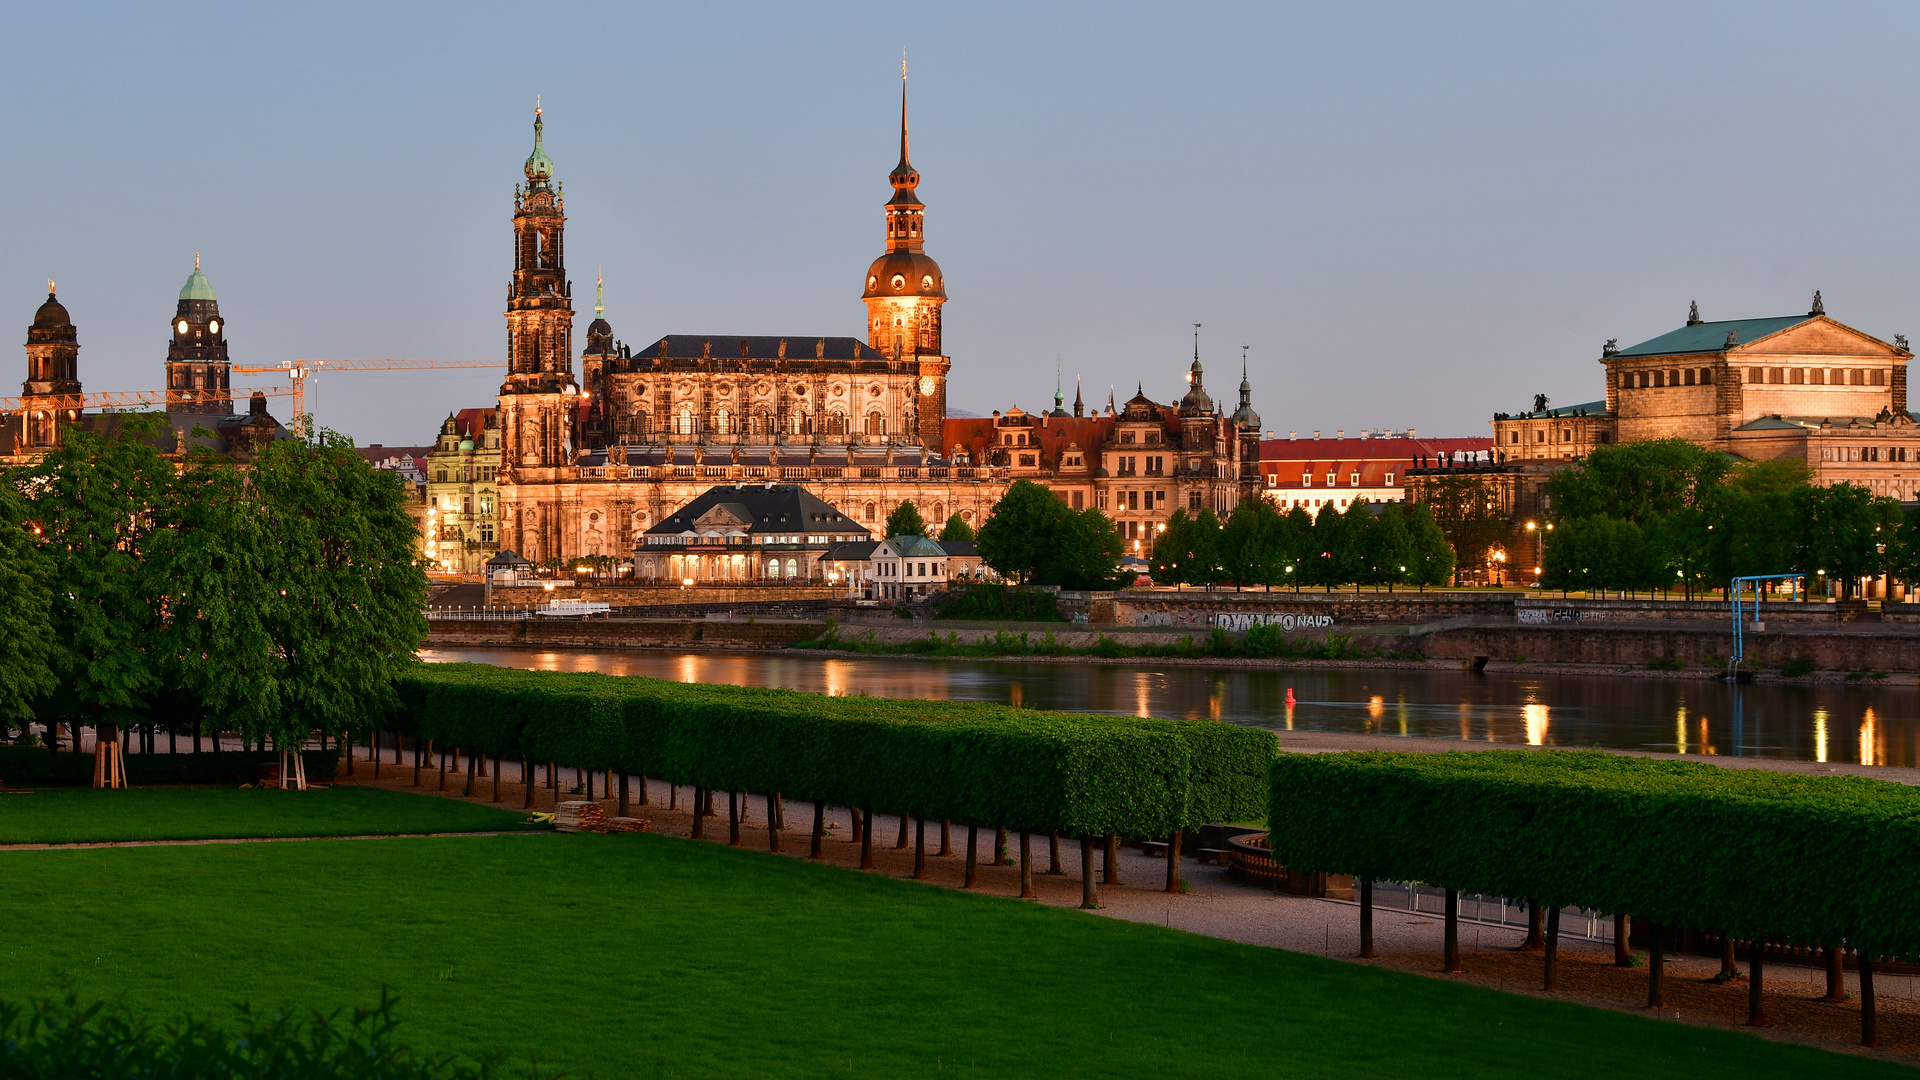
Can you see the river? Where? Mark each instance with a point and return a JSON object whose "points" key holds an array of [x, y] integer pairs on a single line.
{"points": [[1861, 724]]}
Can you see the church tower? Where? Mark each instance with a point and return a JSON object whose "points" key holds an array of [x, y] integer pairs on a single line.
{"points": [[53, 374], [905, 291], [537, 400], [197, 366]]}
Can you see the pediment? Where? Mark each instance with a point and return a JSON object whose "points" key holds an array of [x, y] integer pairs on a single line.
{"points": [[721, 516], [1819, 336]]}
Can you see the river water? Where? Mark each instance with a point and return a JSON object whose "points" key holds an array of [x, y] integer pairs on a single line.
{"points": [[1864, 724]]}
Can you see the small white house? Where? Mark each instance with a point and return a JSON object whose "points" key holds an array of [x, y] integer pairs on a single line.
{"points": [[908, 566]]}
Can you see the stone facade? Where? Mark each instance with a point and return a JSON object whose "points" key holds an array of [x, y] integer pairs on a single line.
{"points": [[462, 526]]}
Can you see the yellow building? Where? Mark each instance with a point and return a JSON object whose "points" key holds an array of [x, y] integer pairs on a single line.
{"points": [[463, 506]]}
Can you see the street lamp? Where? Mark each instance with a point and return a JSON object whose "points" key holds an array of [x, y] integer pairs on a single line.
{"points": [[1499, 569]]}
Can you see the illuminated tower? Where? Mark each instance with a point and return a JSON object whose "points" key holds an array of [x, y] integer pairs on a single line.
{"points": [[197, 366], [53, 374], [905, 290], [537, 400]]}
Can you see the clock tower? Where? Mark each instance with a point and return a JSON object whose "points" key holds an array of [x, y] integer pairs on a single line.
{"points": [[905, 291], [197, 366]]}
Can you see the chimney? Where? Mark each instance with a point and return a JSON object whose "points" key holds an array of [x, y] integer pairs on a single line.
{"points": [[1363, 433], [1294, 434], [1410, 434], [1340, 434], [1316, 433]]}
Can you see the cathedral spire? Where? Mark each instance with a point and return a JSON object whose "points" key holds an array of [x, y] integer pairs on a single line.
{"points": [[599, 296], [539, 167], [1078, 408]]}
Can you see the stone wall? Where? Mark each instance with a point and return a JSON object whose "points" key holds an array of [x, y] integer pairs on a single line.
{"points": [[1305, 610], [620, 633], [1542, 610], [1696, 647], [636, 596]]}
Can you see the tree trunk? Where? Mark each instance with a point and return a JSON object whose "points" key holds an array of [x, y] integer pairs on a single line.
{"points": [[584, 779], [420, 752], [1110, 861], [1729, 965], [1836, 974], [526, 782], [473, 756], [699, 820], [443, 769], [819, 828], [623, 793], [373, 751], [397, 740], [900, 842], [999, 846], [1656, 962], [673, 796], [645, 800], [1053, 853], [1869, 1036], [973, 844], [919, 849], [1756, 973], [1622, 950], [1453, 932], [1536, 920], [496, 777], [348, 744], [733, 819], [1551, 950], [1026, 866], [773, 821], [1089, 884], [866, 839], [946, 838], [1366, 918], [1173, 863]]}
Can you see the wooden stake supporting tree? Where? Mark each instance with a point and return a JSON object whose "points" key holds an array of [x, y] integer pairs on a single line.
{"points": [[109, 763], [293, 768]]}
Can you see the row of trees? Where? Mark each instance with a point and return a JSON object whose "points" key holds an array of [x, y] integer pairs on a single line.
{"points": [[1379, 544], [272, 598], [1666, 515]]}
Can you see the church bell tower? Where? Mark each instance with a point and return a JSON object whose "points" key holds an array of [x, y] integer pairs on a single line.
{"points": [[537, 401], [905, 291]]}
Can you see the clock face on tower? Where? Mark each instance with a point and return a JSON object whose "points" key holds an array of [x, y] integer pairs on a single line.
{"points": [[926, 386]]}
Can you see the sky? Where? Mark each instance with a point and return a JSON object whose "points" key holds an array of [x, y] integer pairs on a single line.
{"points": [[1412, 215]]}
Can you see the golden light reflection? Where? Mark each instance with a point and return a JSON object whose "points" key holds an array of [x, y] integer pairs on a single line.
{"points": [[1289, 716], [1017, 695], [835, 672], [1466, 722], [1376, 706], [1536, 716], [689, 669], [1213, 705], [1819, 734], [1706, 747], [1142, 694], [1680, 731], [1869, 739]]}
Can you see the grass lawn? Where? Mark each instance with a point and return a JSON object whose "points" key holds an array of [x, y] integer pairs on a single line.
{"points": [[637, 955], [78, 815]]}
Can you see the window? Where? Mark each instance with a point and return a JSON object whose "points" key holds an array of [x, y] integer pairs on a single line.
{"points": [[1798, 376], [1027, 460], [1817, 376], [1078, 497], [1388, 480], [1513, 436], [1775, 375], [870, 511], [1161, 497], [1706, 376], [1689, 377], [1152, 437], [1330, 481], [1540, 435], [1353, 479], [440, 476], [1879, 376], [1755, 375], [1126, 436], [1659, 378], [1566, 434], [1133, 500], [1193, 500], [1306, 478]]}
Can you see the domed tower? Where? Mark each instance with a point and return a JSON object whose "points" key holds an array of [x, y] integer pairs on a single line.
{"points": [[1247, 425], [905, 290], [1196, 402], [600, 351], [197, 366], [538, 398], [53, 374]]}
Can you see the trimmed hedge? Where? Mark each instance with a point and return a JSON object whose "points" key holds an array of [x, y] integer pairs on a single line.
{"points": [[1811, 860], [976, 762], [36, 765]]}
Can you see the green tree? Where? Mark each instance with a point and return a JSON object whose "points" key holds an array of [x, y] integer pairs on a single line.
{"points": [[957, 529], [1387, 548], [1204, 551], [1636, 481], [1429, 555], [1296, 548], [1085, 551], [906, 521], [1172, 557], [1013, 540], [1252, 544], [1844, 532], [1467, 512], [26, 611], [293, 589], [94, 499]]}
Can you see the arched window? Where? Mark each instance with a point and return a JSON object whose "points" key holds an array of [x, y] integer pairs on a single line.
{"points": [[836, 423], [939, 513], [637, 423], [773, 568], [870, 512], [793, 568], [800, 424], [683, 421], [723, 422], [876, 424]]}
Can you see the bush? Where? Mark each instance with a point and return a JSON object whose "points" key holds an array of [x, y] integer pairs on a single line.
{"points": [[1665, 663], [994, 600], [1797, 667], [1811, 860], [57, 1040], [975, 762], [24, 765]]}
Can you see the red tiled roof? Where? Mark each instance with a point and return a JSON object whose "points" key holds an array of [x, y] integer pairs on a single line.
{"points": [[1285, 460], [469, 422]]}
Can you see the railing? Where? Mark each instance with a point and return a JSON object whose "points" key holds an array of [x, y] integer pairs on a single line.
{"points": [[1422, 899]]}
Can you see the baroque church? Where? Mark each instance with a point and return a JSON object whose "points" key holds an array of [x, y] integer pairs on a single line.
{"points": [[591, 463]]}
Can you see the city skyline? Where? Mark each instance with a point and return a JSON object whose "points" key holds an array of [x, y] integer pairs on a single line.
{"points": [[1418, 246]]}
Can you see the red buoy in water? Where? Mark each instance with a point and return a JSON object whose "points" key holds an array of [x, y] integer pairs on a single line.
{"points": [[1289, 697]]}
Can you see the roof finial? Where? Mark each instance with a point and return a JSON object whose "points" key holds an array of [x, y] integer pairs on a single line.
{"points": [[1078, 408], [903, 107], [599, 292], [1693, 314], [1243, 362], [1819, 306], [536, 104], [49, 286], [1196, 343], [196, 262]]}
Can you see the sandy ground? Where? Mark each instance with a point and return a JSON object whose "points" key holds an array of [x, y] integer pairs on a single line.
{"points": [[1217, 906]]}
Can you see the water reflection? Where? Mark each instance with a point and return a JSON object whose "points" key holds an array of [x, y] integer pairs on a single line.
{"points": [[1804, 722]]}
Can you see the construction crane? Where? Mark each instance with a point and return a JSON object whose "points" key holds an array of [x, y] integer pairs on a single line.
{"points": [[73, 403], [299, 371]]}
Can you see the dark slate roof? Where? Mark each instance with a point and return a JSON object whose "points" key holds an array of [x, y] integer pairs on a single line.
{"points": [[861, 552], [769, 508], [960, 549], [1712, 336], [508, 557], [728, 346]]}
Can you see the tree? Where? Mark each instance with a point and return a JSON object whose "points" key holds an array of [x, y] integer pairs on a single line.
{"points": [[1429, 555], [1387, 548], [1844, 532], [94, 498], [1204, 551], [1172, 554], [1035, 538], [26, 608], [906, 521], [1466, 511], [1636, 481], [292, 588], [1296, 547], [1252, 544], [957, 529]]}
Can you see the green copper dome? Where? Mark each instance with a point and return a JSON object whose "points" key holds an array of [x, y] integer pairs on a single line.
{"points": [[539, 165], [197, 286]]}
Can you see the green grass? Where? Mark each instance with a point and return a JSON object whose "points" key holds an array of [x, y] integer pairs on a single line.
{"points": [[631, 956], [81, 815]]}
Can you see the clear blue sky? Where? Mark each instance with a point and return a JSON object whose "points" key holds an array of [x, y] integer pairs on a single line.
{"points": [[1415, 214]]}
